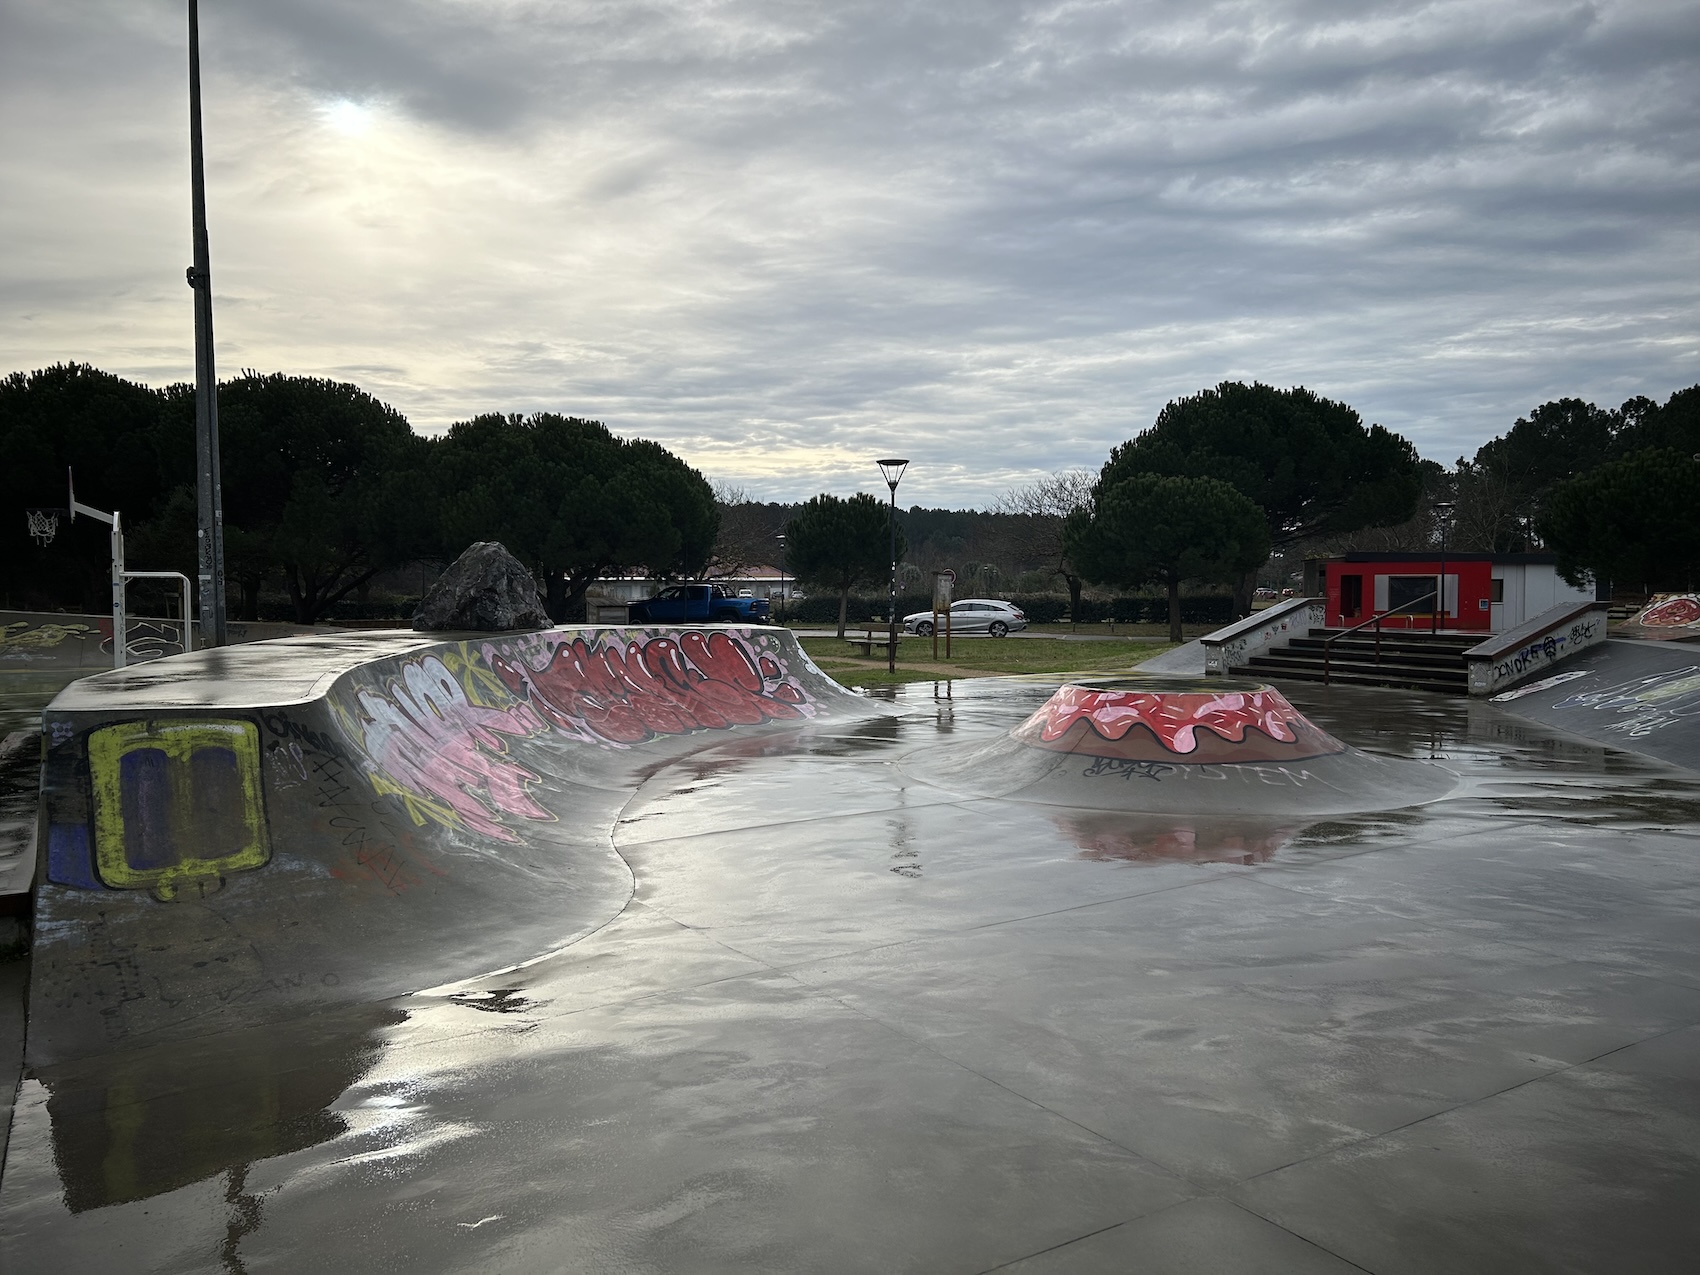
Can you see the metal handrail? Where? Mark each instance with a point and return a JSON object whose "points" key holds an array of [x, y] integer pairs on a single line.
{"points": [[1328, 643]]}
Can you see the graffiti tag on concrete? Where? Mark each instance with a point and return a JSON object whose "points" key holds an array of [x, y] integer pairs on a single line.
{"points": [[25, 642], [1126, 768], [607, 691], [1646, 704], [445, 756], [1557, 679], [177, 805], [1547, 649]]}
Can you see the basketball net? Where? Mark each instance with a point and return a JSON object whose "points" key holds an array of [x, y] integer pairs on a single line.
{"points": [[43, 524]]}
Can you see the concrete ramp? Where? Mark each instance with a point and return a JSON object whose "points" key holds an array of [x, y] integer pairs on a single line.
{"points": [[1643, 696], [256, 830], [1154, 745]]}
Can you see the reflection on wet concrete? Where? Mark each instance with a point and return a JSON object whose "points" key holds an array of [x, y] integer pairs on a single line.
{"points": [[498, 1000], [1165, 839], [794, 1011], [137, 1124]]}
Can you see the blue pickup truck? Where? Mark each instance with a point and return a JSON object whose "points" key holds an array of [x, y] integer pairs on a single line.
{"points": [[698, 604]]}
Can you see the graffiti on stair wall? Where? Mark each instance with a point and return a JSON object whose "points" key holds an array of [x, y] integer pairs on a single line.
{"points": [[1539, 652], [1234, 651]]}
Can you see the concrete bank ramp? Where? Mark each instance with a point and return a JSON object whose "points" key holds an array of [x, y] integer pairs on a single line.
{"points": [[1642, 696], [264, 829], [1172, 745]]}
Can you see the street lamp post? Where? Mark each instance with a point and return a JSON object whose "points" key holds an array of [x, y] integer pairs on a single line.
{"points": [[892, 472], [209, 494]]}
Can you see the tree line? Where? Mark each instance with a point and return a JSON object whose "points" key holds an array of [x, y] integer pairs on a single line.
{"points": [[325, 487], [1233, 477]]}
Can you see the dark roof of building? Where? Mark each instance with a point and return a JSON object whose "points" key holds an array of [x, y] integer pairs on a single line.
{"points": [[1434, 555]]}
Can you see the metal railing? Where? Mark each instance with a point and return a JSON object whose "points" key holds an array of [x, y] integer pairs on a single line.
{"points": [[1328, 643]]}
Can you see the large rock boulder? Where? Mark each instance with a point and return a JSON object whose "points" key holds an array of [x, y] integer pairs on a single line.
{"points": [[486, 588]]}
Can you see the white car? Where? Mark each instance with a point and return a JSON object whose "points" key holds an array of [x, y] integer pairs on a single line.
{"points": [[971, 615]]}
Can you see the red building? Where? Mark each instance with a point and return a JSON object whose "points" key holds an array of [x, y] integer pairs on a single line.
{"points": [[1486, 592]]}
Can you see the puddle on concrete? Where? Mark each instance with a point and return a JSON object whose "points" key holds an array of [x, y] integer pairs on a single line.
{"points": [[140, 1123]]}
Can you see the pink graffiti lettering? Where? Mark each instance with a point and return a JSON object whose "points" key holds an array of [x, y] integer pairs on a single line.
{"points": [[428, 737], [609, 692]]}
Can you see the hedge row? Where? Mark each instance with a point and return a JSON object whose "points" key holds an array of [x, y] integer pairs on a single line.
{"points": [[272, 608], [1040, 608]]}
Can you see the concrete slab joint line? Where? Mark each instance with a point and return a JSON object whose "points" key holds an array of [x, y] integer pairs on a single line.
{"points": [[627, 947]]}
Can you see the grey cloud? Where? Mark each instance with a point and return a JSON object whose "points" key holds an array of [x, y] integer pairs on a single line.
{"points": [[1011, 230]]}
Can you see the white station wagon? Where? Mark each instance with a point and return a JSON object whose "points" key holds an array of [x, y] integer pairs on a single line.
{"points": [[971, 615]]}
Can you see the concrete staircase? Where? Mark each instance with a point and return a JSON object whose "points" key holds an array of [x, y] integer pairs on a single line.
{"points": [[1409, 657]]}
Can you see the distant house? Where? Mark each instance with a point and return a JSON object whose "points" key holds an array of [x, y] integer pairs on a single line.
{"points": [[1489, 592]]}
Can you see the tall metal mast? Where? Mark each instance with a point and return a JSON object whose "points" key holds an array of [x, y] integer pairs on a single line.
{"points": [[209, 494]]}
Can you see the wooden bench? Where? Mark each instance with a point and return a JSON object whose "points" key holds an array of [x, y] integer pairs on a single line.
{"points": [[867, 644]]}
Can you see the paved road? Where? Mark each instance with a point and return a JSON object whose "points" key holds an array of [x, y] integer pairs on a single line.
{"points": [[977, 637]]}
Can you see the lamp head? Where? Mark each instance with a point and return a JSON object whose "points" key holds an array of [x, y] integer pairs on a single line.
{"points": [[892, 471]]}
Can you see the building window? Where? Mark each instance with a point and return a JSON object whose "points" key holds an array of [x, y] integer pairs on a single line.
{"points": [[1410, 593], [1496, 589]]}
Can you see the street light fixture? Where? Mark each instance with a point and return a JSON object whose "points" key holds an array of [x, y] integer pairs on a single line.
{"points": [[892, 472]]}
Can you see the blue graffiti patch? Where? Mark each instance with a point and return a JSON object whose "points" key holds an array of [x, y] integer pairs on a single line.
{"points": [[68, 859]]}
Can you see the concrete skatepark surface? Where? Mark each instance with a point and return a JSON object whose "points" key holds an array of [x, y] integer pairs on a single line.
{"points": [[810, 993]]}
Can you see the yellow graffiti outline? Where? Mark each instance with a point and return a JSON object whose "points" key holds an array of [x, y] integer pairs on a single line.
{"points": [[477, 679], [419, 808], [474, 677], [179, 740]]}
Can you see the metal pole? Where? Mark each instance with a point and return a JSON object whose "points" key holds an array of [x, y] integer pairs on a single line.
{"points": [[1443, 510], [1440, 601], [183, 594], [891, 646], [209, 494], [120, 629]]}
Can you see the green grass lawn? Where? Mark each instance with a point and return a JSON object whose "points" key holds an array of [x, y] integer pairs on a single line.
{"points": [[977, 657]]}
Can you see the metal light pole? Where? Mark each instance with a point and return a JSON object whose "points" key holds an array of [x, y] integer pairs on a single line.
{"points": [[892, 472], [209, 550], [1443, 510]]}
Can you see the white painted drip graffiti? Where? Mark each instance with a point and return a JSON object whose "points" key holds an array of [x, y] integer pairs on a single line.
{"points": [[1546, 683], [1646, 704]]}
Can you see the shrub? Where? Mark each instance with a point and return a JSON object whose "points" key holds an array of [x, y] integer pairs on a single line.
{"points": [[1042, 608], [1210, 609]]}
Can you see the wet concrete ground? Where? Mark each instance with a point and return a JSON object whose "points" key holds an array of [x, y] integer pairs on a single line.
{"points": [[852, 1022]]}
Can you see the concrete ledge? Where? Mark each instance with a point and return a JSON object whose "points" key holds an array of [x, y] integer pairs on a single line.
{"points": [[1263, 631], [1509, 657]]}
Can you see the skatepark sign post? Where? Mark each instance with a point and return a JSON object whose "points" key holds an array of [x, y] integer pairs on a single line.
{"points": [[942, 582]]}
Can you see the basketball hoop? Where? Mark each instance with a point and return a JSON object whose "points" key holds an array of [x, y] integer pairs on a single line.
{"points": [[43, 525]]}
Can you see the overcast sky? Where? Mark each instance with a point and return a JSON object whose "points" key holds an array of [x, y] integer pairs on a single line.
{"points": [[785, 238]]}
